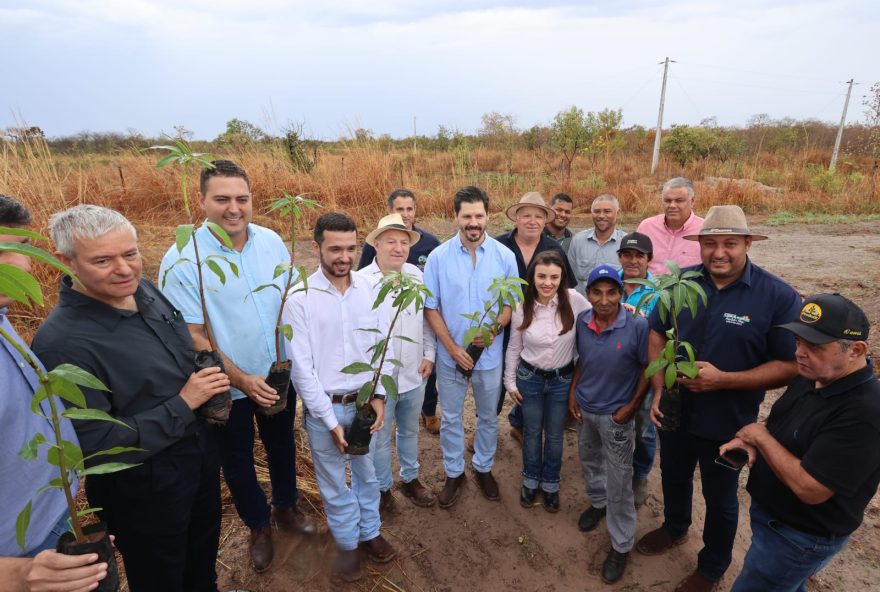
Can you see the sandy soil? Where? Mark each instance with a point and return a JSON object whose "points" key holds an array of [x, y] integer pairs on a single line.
{"points": [[482, 545]]}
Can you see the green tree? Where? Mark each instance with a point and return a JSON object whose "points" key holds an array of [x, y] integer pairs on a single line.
{"points": [[871, 102], [571, 132], [239, 132], [608, 136]]}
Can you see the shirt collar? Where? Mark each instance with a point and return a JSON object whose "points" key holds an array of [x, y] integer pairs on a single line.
{"points": [[319, 280], [461, 247], [619, 322], [554, 302], [848, 382], [104, 314], [203, 229], [686, 226], [591, 233]]}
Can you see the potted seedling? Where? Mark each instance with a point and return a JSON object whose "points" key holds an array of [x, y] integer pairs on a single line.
{"points": [[404, 290], [675, 292], [61, 383], [216, 409], [503, 291], [278, 377]]}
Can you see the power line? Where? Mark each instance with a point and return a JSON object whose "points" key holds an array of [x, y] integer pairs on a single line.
{"points": [[774, 74]]}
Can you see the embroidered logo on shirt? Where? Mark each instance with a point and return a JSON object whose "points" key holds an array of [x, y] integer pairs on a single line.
{"points": [[619, 346], [811, 313], [734, 319]]}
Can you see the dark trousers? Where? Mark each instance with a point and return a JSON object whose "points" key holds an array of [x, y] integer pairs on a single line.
{"points": [[679, 454], [165, 514], [429, 405], [237, 459]]}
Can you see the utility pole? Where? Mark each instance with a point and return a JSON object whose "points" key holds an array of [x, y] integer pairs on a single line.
{"points": [[833, 164], [656, 159], [415, 135]]}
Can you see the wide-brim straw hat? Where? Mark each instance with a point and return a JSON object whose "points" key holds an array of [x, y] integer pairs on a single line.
{"points": [[531, 199], [725, 220], [392, 222]]}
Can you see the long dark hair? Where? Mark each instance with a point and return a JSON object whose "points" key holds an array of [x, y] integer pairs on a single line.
{"points": [[566, 314]]}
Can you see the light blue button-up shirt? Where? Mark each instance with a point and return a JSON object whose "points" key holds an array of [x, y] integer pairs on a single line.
{"points": [[460, 287], [243, 322], [20, 479]]}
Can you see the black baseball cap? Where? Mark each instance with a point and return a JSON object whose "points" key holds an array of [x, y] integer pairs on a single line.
{"points": [[638, 242], [828, 317]]}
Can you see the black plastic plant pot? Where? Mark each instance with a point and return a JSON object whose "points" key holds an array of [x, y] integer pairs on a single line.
{"points": [[358, 433], [670, 407], [216, 409], [97, 541], [474, 351], [278, 379]]}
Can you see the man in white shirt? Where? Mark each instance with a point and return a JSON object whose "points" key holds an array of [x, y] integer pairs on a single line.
{"points": [[326, 320], [392, 241]]}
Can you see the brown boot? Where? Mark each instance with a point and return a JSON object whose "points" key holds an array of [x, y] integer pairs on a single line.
{"points": [[347, 567], [418, 493], [469, 442], [696, 582], [292, 520], [386, 501], [260, 548], [451, 490], [488, 485], [432, 423], [378, 550], [658, 541]]}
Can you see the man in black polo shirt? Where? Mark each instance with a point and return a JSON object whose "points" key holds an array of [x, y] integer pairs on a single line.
{"points": [[816, 463], [117, 326], [403, 202], [741, 352]]}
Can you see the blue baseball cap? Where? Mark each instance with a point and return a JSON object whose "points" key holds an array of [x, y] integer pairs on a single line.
{"points": [[604, 272]]}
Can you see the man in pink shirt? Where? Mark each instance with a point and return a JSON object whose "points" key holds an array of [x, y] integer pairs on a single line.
{"points": [[667, 230]]}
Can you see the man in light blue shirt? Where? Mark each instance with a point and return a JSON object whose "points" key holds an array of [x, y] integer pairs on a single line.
{"points": [[20, 479], [242, 323], [458, 274], [597, 245]]}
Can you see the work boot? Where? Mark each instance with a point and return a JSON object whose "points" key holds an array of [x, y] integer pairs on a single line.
{"points": [[551, 501], [612, 569], [292, 520], [347, 567], [517, 434], [640, 491], [386, 501], [590, 518], [432, 423], [451, 490], [418, 493], [527, 497], [378, 550], [696, 582], [658, 541], [260, 548], [469, 442], [488, 485]]}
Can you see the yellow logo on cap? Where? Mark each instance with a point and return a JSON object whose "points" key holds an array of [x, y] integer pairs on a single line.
{"points": [[811, 313]]}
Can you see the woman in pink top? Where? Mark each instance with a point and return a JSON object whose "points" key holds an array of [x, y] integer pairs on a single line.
{"points": [[538, 371]]}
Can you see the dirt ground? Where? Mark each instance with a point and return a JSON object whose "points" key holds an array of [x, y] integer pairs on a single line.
{"points": [[483, 545]]}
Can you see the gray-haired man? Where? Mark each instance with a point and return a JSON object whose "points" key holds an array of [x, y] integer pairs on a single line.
{"points": [[598, 245]]}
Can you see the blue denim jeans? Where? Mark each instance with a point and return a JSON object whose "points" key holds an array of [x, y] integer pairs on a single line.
{"points": [[544, 411], [352, 513], [782, 559], [404, 414], [452, 386], [646, 440]]}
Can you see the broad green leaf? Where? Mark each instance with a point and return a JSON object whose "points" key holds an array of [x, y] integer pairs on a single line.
{"points": [[92, 415], [641, 282], [166, 160], [689, 369], [112, 451], [37, 399], [689, 349], [232, 266], [287, 331], [36, 253], [68, 391], [264, 287], [674, 269], [220, 233], [8, 230], [394, 362], [20, 285], [691, 274], [370, 330], [669, 379], [644, 302], [405, 338], [377, 352], [357, 368], [655, 366], [215, 267], [487, 337], [21, 525], [364, 393], [71, 453], [113, 467], [469, 336], [280, 270], [389, 385], [668, 353], [182, 235], [55, 483], [78, 376], [30, 450]]}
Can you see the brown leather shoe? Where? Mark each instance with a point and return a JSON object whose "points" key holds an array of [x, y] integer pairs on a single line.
{"points": [[658, 541], [292, 520], [418, 493], [432, 423], [469, 442], [488, 485], [450, 492], [696, 582], [260, 548], [517, 434], [386, 501], [378, 550], [347, 567]]}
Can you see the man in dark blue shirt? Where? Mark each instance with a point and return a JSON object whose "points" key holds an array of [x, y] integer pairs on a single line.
{"points": [[741, 352]]}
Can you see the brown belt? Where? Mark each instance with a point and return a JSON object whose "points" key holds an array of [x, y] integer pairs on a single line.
{"points": [[344, 399]]}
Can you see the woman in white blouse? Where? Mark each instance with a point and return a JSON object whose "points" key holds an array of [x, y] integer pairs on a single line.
{"points": [[538, 370]]}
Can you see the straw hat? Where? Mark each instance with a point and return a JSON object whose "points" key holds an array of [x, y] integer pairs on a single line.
{"points": [[532, 199], [725, 220], [392, 222]]}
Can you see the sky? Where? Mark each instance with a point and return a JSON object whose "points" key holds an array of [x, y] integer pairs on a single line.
{"points": [[335, 65]]}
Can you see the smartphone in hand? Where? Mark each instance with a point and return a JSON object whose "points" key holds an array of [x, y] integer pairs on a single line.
{"points": [[734, 459]]}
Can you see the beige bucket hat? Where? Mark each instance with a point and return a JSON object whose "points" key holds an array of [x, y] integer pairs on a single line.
{"points": [[725, 220], [531, 199], [392, 222]]}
